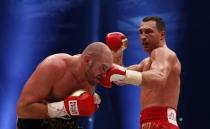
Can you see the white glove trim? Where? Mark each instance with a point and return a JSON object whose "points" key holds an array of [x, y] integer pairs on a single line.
{"points": [[133, 77], [117, 77], [56, 109]]}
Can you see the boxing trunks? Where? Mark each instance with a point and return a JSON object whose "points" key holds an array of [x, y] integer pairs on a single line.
{"points": [[158, 118], [52, 123]]}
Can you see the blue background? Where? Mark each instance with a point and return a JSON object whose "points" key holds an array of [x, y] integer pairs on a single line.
{"points": [[30, 30]]}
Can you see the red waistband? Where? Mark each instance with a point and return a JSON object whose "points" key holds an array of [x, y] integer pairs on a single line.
{"points": [[155, 113]]}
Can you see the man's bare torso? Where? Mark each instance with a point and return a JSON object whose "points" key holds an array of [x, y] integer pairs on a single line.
{"points": [[166, 95], [70, 82]]}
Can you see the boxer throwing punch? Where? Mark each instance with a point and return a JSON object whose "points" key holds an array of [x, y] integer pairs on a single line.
{"points": [[158, 75], [62, 88]]}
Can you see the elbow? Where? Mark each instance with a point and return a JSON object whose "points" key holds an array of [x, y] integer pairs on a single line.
{"points": [[20, 111]]}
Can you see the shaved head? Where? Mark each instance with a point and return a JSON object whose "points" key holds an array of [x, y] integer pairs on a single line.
{"points": [[98, 59], [97, 50]]}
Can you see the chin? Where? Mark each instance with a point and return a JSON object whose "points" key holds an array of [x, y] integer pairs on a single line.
{"points": [[92, 83], [146, 49]]}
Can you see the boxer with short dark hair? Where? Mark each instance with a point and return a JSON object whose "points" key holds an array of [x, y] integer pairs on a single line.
{"points": [[62, 88], [158, 75]]}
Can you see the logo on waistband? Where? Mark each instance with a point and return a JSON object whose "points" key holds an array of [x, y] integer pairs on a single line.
{"points": [[171, 115]]}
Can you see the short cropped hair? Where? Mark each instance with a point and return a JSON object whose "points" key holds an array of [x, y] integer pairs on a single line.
{"points": [[160, 24]]}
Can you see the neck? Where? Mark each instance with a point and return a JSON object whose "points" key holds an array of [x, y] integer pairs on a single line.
{"points": [[161, 44]]}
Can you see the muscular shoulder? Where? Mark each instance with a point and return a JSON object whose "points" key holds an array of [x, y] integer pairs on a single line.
{"points": [[145, 60], [57, 63], [59, 57], [164, 53], [139, 67]]}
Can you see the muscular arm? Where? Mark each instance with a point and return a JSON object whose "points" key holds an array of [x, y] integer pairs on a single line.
{"points": [[118, 58], [135, 67], [161, 64], [138, 67], [37, 88], [159, 69]]}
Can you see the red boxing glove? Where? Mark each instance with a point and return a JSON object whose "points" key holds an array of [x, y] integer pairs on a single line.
{"points": [[115, 40], [81, 103], [115, 73], [118, 73]]}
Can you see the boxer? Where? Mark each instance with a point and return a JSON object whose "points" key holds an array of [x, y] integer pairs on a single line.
{"points": [[158, 75], [62, 89]]}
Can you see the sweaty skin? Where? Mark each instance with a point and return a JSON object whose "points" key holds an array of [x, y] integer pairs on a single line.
{"points": [[161, 81], [59, 75], [160, 70]]}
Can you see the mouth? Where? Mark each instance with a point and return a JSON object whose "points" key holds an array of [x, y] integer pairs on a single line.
{"points": [[145, 44], [98, 79]]}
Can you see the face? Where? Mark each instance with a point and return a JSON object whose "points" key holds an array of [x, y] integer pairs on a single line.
{"points": [[96, 70], [150, 36]]}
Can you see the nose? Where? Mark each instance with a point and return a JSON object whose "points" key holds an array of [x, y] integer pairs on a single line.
{"points": [[143, 37], [103, 75]]}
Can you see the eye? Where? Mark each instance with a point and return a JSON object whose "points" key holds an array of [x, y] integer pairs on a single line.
{"points": [[148, 31], [104, 67], [140, 31]]}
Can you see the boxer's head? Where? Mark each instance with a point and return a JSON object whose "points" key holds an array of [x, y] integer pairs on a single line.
{"points": [[98, 59], [152, 33]]}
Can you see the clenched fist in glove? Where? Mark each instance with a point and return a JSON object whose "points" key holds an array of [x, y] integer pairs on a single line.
{"points": [[118, 73], [117, 42], [80, 103]]}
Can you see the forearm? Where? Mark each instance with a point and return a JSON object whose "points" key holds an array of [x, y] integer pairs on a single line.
{"points": [[153, 78], [118, 60], [147, 78], [135, 67], [33, 111]]}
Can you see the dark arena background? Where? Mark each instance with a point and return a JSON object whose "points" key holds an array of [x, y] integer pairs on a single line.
{"points": [[30, 30]]}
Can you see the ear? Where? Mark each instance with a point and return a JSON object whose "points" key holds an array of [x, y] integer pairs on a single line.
{"points": [[163, 35], [87, 59]]}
